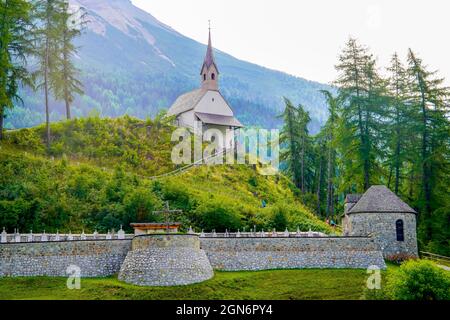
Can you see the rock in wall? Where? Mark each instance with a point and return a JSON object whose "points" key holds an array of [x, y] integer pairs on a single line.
{"points": [[234, 254], [98, 258], [165, 260]]}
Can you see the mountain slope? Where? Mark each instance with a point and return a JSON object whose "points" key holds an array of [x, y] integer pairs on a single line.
{"points": [[132, 63]]}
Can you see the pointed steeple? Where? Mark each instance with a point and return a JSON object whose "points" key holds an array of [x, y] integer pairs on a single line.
{"points": [[209, 72], [209, 57]]}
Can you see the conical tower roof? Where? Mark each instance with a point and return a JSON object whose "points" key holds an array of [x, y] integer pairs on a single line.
{"points": [[380, 199], [209, 57]]}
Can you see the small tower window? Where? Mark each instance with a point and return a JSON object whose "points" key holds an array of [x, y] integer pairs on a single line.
{"points": [[204, 77], [399, 230], [213, 76]]}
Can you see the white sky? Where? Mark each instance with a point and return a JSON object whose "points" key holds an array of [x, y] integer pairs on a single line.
{"points": [[304, 38]]}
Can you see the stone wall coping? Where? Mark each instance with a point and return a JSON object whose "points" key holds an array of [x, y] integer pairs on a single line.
{"points": [[165, 234], [281, 237], [384, 211], [67, 241]]}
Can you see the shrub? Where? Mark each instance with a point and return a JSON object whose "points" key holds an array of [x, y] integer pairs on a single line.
{"points": [[278, 218], [418, 280], [399, 258], [217, 215]]}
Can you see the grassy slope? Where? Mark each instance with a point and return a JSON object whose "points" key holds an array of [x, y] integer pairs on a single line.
{"points": [[272, 285], [74, 184]]}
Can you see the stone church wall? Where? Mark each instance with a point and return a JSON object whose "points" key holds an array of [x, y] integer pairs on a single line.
{"points": [[234, 254], [383, 228], [97, 258]]}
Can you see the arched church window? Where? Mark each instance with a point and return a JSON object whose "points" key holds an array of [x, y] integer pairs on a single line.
{"points": [[213, 76], [399, 230]]}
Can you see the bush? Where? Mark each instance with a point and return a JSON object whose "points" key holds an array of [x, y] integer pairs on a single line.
{"points": [[418, 280], [217, 215], [399, 258], [278, 218]]}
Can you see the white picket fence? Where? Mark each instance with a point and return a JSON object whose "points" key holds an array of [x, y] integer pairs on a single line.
{"points": [[17, 237], [260, 234]]}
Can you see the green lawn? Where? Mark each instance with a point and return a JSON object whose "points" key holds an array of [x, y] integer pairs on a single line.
{"points": [[274, 284]]}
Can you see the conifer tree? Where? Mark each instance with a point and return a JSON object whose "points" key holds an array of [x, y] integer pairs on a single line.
{"points": [[290, 137], [399, 120], [331, 146], [64, 77], [429, 98], [15, 45], [307, 158], [46, 36], [362, 90]]}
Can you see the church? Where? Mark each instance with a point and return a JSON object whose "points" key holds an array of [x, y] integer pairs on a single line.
{"points": [[205, 108]]}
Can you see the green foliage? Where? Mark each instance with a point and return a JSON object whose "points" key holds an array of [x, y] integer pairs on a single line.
{"points": [[65, 75], [418, 280], [294, 136], [278, 218], [392, 131], [15, 44], [89, 182], [214, 214]]}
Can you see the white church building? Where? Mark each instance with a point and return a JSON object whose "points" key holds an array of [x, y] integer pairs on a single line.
{"points": [[205, 108]]}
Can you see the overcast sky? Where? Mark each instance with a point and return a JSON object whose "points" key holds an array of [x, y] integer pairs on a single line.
{"points": [[304, 38]]}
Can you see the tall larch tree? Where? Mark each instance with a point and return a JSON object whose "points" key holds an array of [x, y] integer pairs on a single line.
{"points": [[360, 87], [304, 119], [47, 37], [430, 99], [15, 45], [399, 121], [330, 129], [290, 137], [65, 82]]}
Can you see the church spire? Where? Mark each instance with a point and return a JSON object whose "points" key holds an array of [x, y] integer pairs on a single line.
{"points": [[209, 57], [209, 71]]}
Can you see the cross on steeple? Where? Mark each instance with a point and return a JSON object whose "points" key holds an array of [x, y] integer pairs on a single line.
{"points": [[166, 213], [209, 72]]}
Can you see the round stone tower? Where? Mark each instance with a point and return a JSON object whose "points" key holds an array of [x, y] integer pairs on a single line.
{"points": [[165, 260], [381, 214]]}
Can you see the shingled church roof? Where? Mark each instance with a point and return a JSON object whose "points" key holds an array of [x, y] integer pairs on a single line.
{"points": [[186, 102], [380, 199]]}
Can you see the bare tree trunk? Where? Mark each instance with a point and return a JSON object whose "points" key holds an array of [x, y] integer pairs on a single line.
{"points": [[397, 151], [390, 176], [47, 113], [67, 107], [426, 172], [329, 184], [303, 165], [1, 122], [397, 167], [66, 83], [319, 186]]}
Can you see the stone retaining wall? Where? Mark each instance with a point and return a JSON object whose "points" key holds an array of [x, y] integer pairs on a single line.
{"points": [[166, 260], [163, 260], [97, 258], [234, 254]]}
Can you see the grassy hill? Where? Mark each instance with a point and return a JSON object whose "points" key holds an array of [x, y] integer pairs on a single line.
{"points": [[95, 176]]}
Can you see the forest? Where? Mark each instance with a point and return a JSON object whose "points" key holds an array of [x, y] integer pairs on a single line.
{"points": [[389, 128]]}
